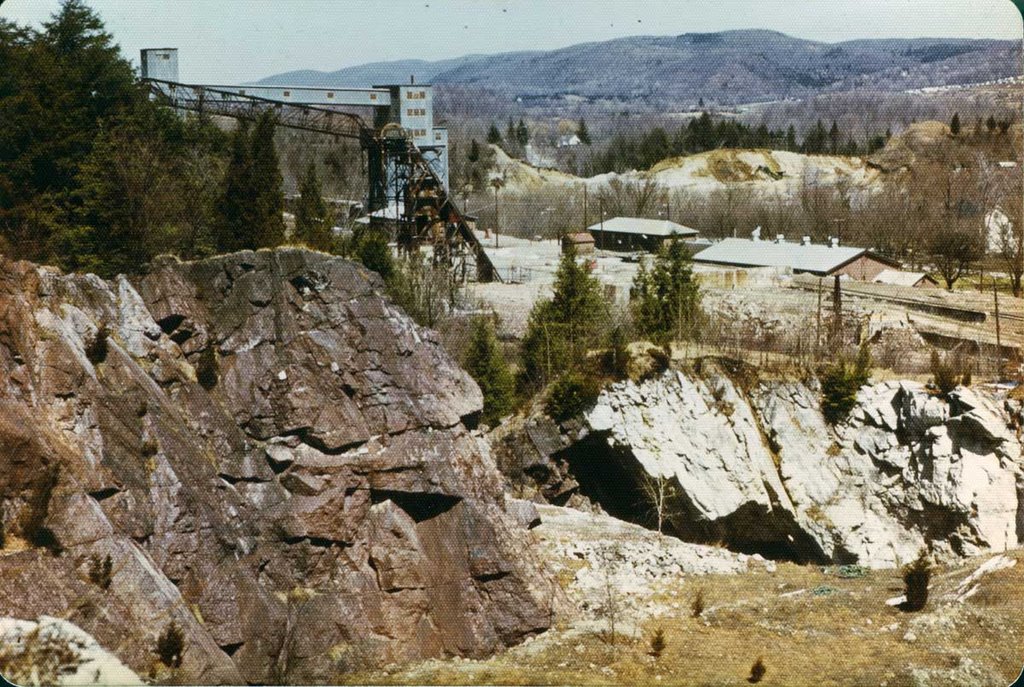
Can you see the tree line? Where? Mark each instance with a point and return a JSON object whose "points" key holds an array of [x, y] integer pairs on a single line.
{"points": [[625, 151], [95, 176]]}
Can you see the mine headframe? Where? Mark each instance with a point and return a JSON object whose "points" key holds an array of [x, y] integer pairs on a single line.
{"points": [[403, 187]]}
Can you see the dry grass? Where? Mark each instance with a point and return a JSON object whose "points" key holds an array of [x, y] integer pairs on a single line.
{"points": [[846, 637]]}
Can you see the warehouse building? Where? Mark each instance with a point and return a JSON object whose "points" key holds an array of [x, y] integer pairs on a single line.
{"points": [[637, 233], [826, 259]]}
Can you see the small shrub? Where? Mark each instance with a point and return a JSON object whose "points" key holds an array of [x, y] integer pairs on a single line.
{"points": [[170, 645], [571, 395], [698, 604], [207, 368], [916, 577], [96, 349], [101, 571], [658, 643], [943, 373], [757, 671], [840, 383], [150, 448]]}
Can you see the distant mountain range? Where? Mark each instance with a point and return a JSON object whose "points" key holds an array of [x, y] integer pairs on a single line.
{"points": [[727, 67]]}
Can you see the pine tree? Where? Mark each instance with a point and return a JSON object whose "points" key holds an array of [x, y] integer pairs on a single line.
{"points": [[511, 137], [474, 151], [583, 133], [486, 364], [493, 135], [268, 197], [990, 123], [522, 133], [561, 330], [833, 138], [954, 124], [313, 222], [235, 216], [791, 143], [666, 298]]}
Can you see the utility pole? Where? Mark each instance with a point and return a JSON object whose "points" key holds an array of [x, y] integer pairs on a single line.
{"points": [[600, 201], [495, 215], [817, 328], [999, 338], [837, 313], [585, 225]]}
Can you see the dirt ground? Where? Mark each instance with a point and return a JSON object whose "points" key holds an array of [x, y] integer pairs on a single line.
{"points": [[809, 625]]}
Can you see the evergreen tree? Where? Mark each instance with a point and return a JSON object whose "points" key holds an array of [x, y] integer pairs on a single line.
{"points": [[954, 124], [486, 364], [493, 135], [58, 86], [583, 133], [666, 298], [511, 137], [375, 254], [791, 144], [561, 330], [833, 138], [522, 133], [313, 221], [235, 210], [474, 151], [268, 197], [990, 123]]}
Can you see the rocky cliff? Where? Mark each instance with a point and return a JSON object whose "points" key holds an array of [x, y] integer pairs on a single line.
{"points": [[259, 450], [754, 465]]}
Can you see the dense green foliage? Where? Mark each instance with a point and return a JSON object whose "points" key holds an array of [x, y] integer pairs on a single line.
{"points": [[95, 176], [570, 395], [486, 364], [840, 383], [583, 132], [372, 249], [560, 331], [666, 298], [313, 221]]}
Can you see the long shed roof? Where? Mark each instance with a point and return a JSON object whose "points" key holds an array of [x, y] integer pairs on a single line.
{"points": [[815, 258], [640, 225]]}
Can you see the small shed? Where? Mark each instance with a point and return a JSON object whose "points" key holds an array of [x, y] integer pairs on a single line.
{"points": [[582, 241]]}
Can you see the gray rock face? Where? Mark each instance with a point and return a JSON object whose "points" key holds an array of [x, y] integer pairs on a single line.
{"points": [[762, 469], [274, 458]]}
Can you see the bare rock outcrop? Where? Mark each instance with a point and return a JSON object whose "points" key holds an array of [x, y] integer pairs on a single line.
{"points": [[755, 465], [271, 456]]}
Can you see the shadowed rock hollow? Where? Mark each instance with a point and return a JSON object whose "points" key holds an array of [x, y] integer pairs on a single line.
{"points": [[753, 464], [275, 459]]}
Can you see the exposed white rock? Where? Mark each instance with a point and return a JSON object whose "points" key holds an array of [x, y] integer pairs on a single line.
{"points": [[53, 651], [907, 469]]}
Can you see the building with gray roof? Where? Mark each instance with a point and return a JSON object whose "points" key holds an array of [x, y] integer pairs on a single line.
{"points": [[821, 259]]}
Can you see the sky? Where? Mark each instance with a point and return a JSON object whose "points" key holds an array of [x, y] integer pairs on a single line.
{"points": [[235, 41]]}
